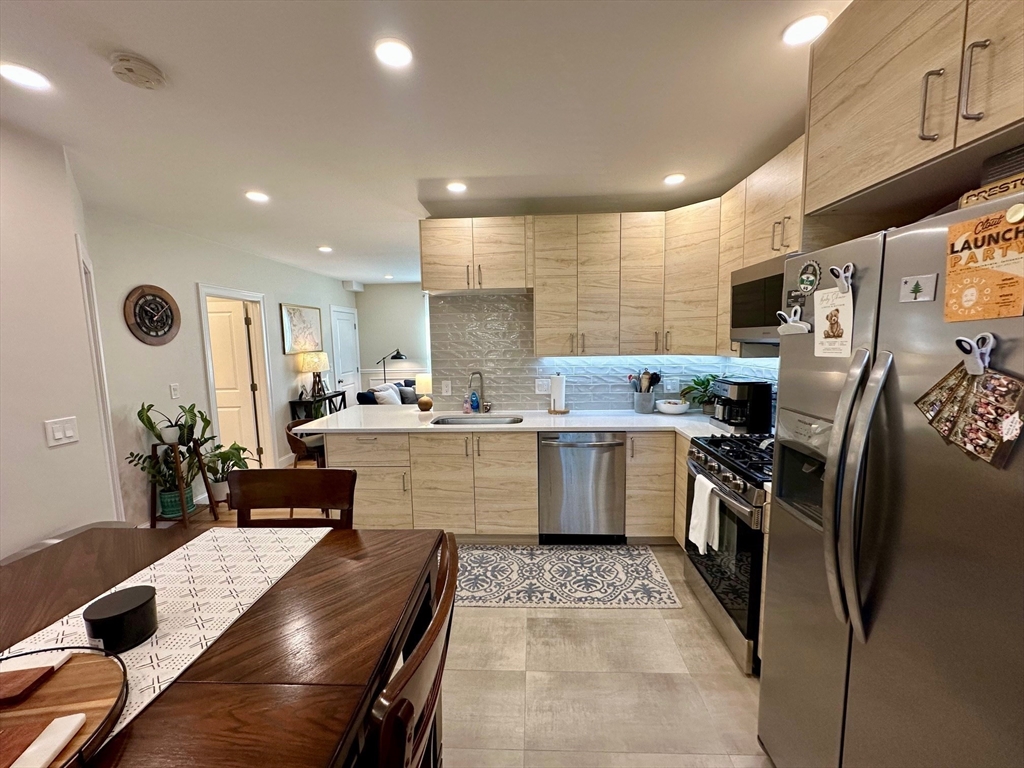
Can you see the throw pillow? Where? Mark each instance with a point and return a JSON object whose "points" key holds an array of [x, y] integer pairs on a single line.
{"points": [[387, 395], [408, 395]]}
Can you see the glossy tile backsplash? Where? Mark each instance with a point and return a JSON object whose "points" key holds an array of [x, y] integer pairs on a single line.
{"points": [[494, 334]]}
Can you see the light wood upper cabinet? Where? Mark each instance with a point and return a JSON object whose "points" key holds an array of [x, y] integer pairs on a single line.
{"points": [[772, 212], [555, 285], [996, 88], [383, 498], [730, 257], [682, 498], [529, 251], [691, 278], [442, 482], [505, 471], [499, 252], [866, 95], [650, 483], [642, 283], [446, 254], [597, 240]]}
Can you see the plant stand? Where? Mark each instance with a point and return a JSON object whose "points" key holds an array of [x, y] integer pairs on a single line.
{"points": [[154, 508]]}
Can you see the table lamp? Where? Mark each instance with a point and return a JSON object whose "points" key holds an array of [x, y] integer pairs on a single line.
{"points": [[315, 363], [425, 388]]}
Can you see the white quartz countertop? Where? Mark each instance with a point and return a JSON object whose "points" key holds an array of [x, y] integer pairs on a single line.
{"points": [[408, 418]]}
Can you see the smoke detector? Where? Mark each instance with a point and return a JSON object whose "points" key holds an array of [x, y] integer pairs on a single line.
{"points": [[136, 71]]}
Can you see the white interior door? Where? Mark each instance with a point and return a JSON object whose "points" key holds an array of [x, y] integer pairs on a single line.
{"points": [[232, 374], [345, 334]]}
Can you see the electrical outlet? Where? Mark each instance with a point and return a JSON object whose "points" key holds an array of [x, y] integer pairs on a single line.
{"points": [[446, 388], [542, 386], [175, 392], [671, 385], [61, 431]]}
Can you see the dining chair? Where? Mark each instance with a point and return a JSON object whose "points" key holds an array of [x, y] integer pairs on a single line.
{"points": [[324, 489], [404, 716], [301, 448]]}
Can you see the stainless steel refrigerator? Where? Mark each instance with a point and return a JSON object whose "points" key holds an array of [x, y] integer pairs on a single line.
{"points": [[894, 610]]}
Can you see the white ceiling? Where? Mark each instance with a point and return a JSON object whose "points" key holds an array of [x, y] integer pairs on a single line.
{"points": [[538, 106]]}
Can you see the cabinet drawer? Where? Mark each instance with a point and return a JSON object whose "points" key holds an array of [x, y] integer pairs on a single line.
{"points": [[367, 450], [447, 444], [505, 442]]}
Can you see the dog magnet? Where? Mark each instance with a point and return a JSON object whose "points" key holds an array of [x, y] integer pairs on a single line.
{"points": [[833, 319]]}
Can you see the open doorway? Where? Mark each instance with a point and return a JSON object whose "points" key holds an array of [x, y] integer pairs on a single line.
{"points": [[235, 341]]}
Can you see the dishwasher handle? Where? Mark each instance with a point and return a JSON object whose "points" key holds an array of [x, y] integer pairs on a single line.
{"points": [[600, 444]]}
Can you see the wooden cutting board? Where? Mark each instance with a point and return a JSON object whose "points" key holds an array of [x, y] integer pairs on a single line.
{"points": [[87, 683], [15, 686]]}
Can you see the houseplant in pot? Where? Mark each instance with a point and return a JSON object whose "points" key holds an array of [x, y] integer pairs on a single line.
{"points": [[699, 392], [192, 426], [219, 462]]}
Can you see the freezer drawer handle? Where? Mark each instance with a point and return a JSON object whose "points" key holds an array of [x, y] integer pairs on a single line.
{"points": [[602, 444], [852, 481], [830, 480]]}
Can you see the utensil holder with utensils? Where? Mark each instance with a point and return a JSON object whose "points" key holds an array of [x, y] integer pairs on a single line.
{"points": [[643, 402]]}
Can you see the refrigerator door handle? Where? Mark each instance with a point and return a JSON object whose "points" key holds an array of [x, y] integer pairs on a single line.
{"points": [[852, 482], [833, 461]]}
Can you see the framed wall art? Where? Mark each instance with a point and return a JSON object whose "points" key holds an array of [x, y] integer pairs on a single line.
{"points": [[301, 329]]}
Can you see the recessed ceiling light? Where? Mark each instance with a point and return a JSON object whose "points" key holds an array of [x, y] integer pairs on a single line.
{"points": [[258, 197], [805, 30], [325, 249], [393, 53], [674, 178], [24, 77], [456, 186], [389, 277]]}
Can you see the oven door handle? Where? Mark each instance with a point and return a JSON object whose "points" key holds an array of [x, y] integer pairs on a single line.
{"points": [[749, 514]]}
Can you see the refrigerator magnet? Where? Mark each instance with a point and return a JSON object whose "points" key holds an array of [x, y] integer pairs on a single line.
{"points": [[984, 269], [833, 312], [918, 288], [810, 275]]}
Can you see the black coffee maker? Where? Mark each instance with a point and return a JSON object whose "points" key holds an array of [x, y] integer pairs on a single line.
{"points": [[743, 407]]}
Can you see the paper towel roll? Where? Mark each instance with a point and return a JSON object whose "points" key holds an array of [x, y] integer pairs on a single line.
{"points": [[557, 393]]}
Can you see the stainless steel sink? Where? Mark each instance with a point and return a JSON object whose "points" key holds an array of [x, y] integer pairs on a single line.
{"points": [[452, 421]]}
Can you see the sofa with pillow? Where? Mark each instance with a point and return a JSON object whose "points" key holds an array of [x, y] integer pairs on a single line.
{"points": [[401, 393]]}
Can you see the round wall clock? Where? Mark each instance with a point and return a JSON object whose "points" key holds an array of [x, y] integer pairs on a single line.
{"points": [[152, 315]]}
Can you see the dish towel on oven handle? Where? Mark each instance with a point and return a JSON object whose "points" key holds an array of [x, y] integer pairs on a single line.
{"points": [[703, 515]]}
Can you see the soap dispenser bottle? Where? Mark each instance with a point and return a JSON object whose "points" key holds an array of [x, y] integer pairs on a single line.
{"points": [[466, 406]]}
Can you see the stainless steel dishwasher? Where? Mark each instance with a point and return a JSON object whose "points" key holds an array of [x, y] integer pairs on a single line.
{"points": [[582, 487]]}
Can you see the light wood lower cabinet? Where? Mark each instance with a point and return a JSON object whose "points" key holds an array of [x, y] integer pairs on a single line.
{"points": [[442, 481], [505, 472], [682, 493], [650, 483], [383, 498]]}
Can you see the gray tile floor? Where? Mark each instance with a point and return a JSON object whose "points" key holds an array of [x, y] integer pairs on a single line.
{"points": [[597, 688]]}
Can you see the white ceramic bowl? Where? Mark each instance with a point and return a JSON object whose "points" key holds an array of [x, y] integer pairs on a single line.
{"points": [[673, 407]]}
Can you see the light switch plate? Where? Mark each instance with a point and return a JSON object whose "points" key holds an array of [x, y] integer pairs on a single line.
{"points": [[61, 431], [671, 385], [542, 386], [446, 388], [175, 392]]}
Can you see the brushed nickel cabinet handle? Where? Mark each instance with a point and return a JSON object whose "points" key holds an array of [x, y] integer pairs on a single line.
{"points": [[965, 83], [404, 489], [583, 343], [468, 284], [572, 343], [655, 341], [467, 446], [775, 227], [924, 104], [479, 276], [365, 439], [668, 340], [632, 447], [478, 446], [782, 234]]}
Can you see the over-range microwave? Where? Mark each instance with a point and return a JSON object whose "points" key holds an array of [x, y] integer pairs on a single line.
{"points": [[756, 297]]}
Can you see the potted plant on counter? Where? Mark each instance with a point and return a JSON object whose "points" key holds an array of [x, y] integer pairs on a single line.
{"points": [[219, 462], [699, 392], [191, 432]]}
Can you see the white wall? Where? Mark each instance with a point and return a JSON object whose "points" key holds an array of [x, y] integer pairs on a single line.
{"points": [[390, 316], [45, 363], [126, 253]]}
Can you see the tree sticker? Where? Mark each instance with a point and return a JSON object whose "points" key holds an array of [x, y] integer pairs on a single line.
{"points": [[916, 289]]}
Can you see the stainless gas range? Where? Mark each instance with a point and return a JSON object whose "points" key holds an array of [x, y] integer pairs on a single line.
{"points": [[727, 581]]}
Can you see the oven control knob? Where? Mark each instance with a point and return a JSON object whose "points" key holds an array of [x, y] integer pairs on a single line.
{"points": [[738, 485], [714, 466], [727, 477], [692, 453]]}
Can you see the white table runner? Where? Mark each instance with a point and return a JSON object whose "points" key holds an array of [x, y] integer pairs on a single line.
{"points": [[201, 588]]}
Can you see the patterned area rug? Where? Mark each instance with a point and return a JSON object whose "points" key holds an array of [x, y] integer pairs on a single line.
{"points": [[562, 577]]}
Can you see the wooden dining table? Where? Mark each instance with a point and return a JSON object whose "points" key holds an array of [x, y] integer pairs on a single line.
{"points": [[289, 683]]}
